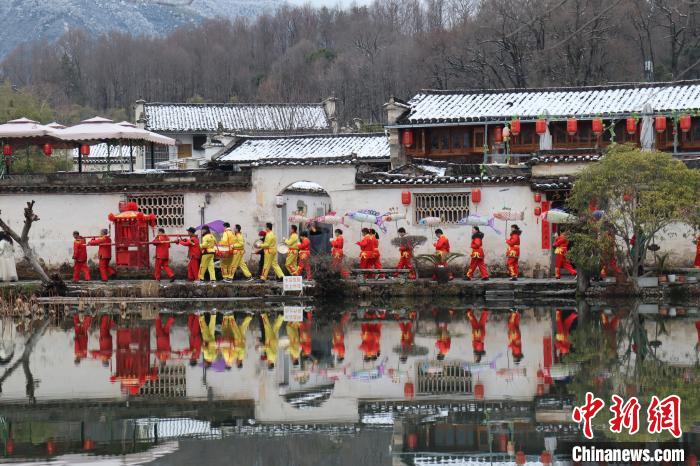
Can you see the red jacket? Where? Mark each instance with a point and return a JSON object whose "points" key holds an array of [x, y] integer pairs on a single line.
{"points": [[105, 246], [162, 243], [442, 244], [79, 250], [406, 251], [305, 247], [375, 246], [444, 341], [407, 334], [366, 245], [478, 329], [513, 243], [337, 246], [477, 249], [192, 243], [561, 245], [563, 344]]}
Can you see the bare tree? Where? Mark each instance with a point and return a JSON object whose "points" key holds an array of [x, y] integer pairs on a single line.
{"points": [[23, 240]]}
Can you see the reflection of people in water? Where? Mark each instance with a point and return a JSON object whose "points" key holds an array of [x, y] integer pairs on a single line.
{"points": [[371, 333], [106, 345], [81, 326], [208, 331], [443, 317], [408, 336], [563, 344], [294, 347], [609, 326], [195, 336], [338, 339], [163, 349], [478, 332], [271, 341], [305, 335], [236, 336], [515, 342]]}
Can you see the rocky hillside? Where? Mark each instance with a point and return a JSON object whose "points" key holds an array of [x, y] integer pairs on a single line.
{"points": [[29, 20]]}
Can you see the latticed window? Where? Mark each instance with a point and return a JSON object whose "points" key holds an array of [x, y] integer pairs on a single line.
{"points": [[171, 383], [438, 377], [169, 209], [450, 207]]}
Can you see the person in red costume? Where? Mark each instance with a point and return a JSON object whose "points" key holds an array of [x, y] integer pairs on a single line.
{"points": [[515, 342], [608, 255], [563, 343], [305, 335], [163, 349], [477, 255], [371, 334], [81, 328], [304, 264], [337, 253], [610, 325], [478, 333], [561, 247], [338, 337], [408, 336], [513, 252], [80, 258], [406, 252], [376, 256], [194, 254], [443, 342], [195, 338], [366, 245], [442, 249], [104, 253], [106, 345], [162, 244]]}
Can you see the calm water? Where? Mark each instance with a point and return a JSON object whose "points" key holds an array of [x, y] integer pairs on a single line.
{"points": [[386, 384]]}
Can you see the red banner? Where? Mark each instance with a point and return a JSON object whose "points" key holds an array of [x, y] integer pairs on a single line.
{"points": [[546, 228]]}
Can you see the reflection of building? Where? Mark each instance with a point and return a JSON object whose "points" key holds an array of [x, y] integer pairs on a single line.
{"points": [[170, 382]]}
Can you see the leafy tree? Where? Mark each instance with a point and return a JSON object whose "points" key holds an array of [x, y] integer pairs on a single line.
{"points": [[638, 194], [17, 103]]}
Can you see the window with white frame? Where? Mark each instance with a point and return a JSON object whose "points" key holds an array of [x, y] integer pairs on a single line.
{"points": [[450, 207], [169, 209]]}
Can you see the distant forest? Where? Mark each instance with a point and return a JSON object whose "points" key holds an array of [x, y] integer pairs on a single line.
{"points": [[365, 54]]}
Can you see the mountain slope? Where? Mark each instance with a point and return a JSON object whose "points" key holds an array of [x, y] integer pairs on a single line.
{"points": [[29, 20]]}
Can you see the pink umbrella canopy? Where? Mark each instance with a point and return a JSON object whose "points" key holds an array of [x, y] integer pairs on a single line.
{"points": [[102, 129], [24, 128]]}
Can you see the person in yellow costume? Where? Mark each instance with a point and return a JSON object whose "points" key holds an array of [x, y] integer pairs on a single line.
{"points": [[293, 255], [269, 246], [208, 247], [225, 247], [271, 339], [238, 249], [235, 334], [294, 348], [208, 331]]}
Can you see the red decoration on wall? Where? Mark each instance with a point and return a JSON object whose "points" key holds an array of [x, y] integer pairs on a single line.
{"points": [[47, 149], [85, 150], [538, 211], [479, 391], [476, 195], [546, 228], [412, 441], [538, 197], [685, 123], [631, 124], [406, 198], [572, 126], [7, 150], [498, 135], [660, 124], [541, 126], [407, 138], [597, 126], [515, 127]]}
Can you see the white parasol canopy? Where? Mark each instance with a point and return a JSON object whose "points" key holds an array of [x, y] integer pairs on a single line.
{"points": [[101, 129], [55, 125], [24, 128], [647, 137]]}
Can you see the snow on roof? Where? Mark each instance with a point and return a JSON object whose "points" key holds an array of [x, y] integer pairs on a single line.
{"points": [[360, 145], [305, 186], [238, 118], [434, 106]]}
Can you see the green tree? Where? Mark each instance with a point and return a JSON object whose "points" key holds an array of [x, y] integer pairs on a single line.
{"points": [[640, 193], [17, 103]]}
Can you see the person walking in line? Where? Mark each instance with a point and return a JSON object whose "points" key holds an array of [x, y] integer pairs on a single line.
{"points": [[80, 258], [104, 253], [406, 253], [304, 265], [513, 252], [515, 342], [478, 333], [208, 248], [194, 254], [366, 245], [239, 255], [226, 252], [271, 341], [561, 248], [208, 332], [270, 247], [338, 254], [293, 255], [477, 255], [162, 244]]}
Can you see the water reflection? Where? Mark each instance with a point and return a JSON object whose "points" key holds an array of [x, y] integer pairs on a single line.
{"points": [[438, 381]]}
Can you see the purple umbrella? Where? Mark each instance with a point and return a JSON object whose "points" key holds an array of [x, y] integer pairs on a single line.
{"points": [[216, 225], [218, 365]]}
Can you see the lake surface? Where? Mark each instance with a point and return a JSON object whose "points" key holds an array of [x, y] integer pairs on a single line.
{"points": [[370, 383]]}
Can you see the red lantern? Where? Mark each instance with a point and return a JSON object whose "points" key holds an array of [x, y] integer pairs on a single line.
{"points": [[407, 138], [85, 150], [520, 457], [7, 150], [406, 198], [515, 126], [631, 125], [541, 126], [597, 125], [538, 197], [479, 391], [572, 126], [48, 150], [538, 211], [476, 195], [546, 457], [50, 447], [10, 446], [540, 389], [412, 441], [685, 123], [88, 444], [660, 124], [408, 391], [498, 134]]}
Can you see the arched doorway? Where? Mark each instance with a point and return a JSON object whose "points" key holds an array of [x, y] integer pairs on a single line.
{"points": [[301, 204]]}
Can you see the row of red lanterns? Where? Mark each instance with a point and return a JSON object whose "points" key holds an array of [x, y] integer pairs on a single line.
{"points": [[684, 122], [47, 149]]}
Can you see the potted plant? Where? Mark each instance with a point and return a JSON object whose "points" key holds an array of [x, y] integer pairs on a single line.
{"points": [[662, 267], [440, 263]]}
